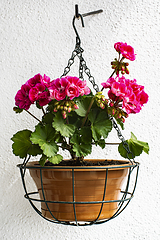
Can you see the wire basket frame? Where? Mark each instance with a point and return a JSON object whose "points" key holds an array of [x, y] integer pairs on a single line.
{"points": [[127, 194]]}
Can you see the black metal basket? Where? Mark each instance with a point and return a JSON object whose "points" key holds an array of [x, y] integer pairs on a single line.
{"points": [[127, 194]]}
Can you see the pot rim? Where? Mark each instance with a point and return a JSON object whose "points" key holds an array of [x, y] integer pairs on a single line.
{"points": [[36, 165]]}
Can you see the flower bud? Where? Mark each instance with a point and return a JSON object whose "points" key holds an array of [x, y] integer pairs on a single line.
{"points": [[102, 106], [111, 104], [67, 104], [119, 115], [123, 120], [103, 99], [76, 106], [127, 71], [64, 114], [65, 108], [123, 68], [69, 109], [113, 111]]}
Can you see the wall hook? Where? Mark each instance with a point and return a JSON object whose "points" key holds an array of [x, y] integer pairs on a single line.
{"points": [[78, 15]]}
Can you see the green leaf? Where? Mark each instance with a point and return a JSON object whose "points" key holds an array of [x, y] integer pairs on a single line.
{"points": [[101, 125], [45, 137], [86, 135], [135, 146], [80, 148], [101, 143], [48, 118], [83, 104], [140, 143], [66, 130], [23, 146], [55, 159], [42, 160]]}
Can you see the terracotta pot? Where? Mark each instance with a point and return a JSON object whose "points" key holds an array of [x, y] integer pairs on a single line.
{"points": [[88, 187]]}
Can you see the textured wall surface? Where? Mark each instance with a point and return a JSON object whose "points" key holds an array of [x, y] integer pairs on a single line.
{"points": [[36, 36]]}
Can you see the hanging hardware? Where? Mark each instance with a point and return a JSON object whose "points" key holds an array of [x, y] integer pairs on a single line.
{"points": [[85, 14], [78, 15]]}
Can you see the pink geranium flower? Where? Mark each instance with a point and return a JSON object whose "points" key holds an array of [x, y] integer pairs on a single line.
{"points": [[119, 89], [68, 86], [43, 99], [72, 91], [108, 83], [126, 50], [82, 87], [57, 89], [22, 97], [45, 80], [117, 46], [128, 92], [35, 92], [33, 81]]}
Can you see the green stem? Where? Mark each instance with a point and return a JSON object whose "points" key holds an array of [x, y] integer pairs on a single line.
{"points": [[33, 116], [43, 111]]}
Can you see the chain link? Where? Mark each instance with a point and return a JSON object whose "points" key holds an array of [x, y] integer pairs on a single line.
{"points": [[82, 66]]}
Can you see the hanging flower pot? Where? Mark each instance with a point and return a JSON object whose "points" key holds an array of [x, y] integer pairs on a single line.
{"points": [[75, 119], [90, 194]]}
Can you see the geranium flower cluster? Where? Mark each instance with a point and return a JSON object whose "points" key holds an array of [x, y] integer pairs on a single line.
{"points": [[41, 90], [125, 93], [70, 87], [126, 50]]}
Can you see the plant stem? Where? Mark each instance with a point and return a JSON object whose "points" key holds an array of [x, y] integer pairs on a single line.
{"points": [[33, 116], [43, 111], [89, 108]]}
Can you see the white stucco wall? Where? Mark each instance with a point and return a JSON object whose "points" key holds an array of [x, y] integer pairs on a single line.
{"points": [[36, 36]]}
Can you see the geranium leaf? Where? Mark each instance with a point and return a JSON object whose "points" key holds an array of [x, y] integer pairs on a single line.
{"points": [[45, 137], [79, 147], [23, 146], [42, 160], [86, 135], [135, 146], [101, 143], [83, 104], [55, 159], [101, 124], [66, 130]]}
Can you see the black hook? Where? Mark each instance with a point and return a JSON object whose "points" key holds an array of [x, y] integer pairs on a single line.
{"points": [[78, 15]]}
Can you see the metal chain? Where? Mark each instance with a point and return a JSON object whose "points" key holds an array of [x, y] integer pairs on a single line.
{"points": [[82, 66], [88, 73], [124, 142]]}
